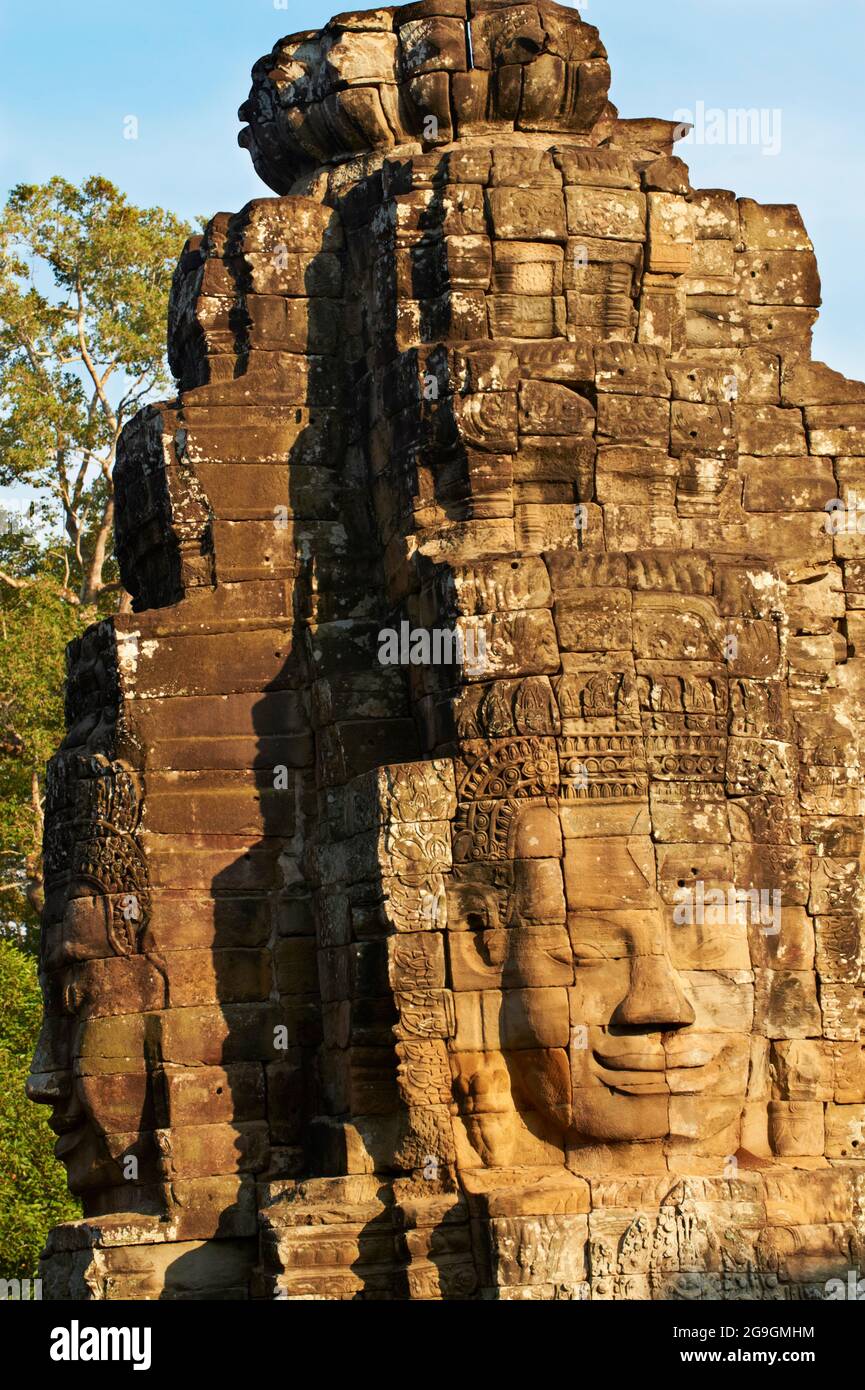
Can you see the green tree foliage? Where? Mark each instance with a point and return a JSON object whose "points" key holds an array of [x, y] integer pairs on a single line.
{"points": [[33, 1193], [84, 278]]}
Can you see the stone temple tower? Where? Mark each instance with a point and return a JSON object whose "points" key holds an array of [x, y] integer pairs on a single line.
{"points": [[454, 860]]}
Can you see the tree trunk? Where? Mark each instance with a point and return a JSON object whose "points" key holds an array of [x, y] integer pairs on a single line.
{"points": [[91, 586]]}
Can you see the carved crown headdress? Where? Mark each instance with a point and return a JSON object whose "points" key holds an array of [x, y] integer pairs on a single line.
{"points": [[92, 809]]}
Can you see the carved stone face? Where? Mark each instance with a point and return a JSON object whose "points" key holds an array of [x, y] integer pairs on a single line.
{"points": [[89, 1063], [662, 1050], [77, 933], [625, 932]]}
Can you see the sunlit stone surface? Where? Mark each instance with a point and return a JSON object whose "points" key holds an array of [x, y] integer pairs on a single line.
{"points": [[454, 861]]}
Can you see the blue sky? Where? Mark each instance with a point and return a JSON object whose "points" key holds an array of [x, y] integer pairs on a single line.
{"points": [[73, 71]]}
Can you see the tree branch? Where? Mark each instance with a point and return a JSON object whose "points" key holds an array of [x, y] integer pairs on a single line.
{"points": [[91, 585], [88, 360], [60, 590]]}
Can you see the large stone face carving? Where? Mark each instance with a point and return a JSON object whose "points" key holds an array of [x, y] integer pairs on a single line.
{"points": [[455, 859]]}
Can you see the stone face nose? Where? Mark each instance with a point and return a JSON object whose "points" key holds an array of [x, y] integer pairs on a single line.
{"points": [[654, 999], [50, 1076], [47, 1087]]}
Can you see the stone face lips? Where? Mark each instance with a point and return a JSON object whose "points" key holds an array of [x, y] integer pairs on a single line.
{"points": [[526, 961]]}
